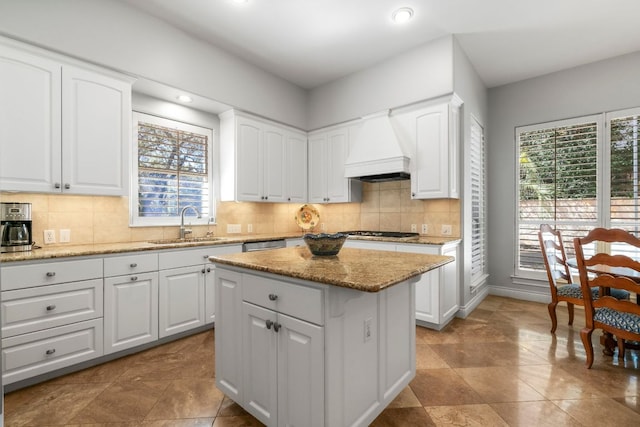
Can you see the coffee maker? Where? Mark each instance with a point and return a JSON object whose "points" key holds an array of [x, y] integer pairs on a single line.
{"points": [[15, 227]]}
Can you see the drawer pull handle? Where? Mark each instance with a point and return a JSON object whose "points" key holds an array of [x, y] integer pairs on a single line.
{"points": [[134, 278], [268, 323], [51, 273], [51, 307], [50, 351], [273, 297], [276, 326], [133, 265]]}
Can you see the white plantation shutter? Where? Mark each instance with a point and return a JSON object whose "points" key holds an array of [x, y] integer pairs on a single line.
{"points": [[172, 168], [558, 183], [478, 202], [624, 202]]}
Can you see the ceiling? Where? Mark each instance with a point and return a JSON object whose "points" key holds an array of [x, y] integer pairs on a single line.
{"points": [[312, 42]]}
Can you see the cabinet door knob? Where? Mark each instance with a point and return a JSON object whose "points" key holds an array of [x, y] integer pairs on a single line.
{"points": [[268, 323], [51, 307], [133, 265], [203, 271], [56, 185], [413, 194], [208, 269], [276, 326], [134, 278], [67, 186], [51, 273], [273, 297], [205, 256], [50, 351]]}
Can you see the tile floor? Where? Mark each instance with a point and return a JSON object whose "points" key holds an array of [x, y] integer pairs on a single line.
{"points": [[499, 367]]}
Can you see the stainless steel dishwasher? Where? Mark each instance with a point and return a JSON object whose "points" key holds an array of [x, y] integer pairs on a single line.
{"points": [[263, 245]]}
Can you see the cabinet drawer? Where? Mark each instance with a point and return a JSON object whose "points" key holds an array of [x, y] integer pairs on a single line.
{"points": [[184, 258], [122, 265], [28, 355], [299, 301], [50, 273], [34, 309]]}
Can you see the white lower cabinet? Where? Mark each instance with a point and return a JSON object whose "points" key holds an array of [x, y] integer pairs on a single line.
{"points": [[51, 316], [283, 368], [437, 300], [131, 311], [181, 300]]}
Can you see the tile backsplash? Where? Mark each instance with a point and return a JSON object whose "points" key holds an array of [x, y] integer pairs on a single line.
{"points": [[100, 219]]}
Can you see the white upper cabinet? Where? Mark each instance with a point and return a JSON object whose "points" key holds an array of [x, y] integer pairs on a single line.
{"points": [[328, 150], [96, 128], [260, 160], [432, 130], [65, 129], [30, 121]]}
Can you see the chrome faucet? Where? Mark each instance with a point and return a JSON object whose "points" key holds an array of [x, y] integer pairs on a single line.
{"points": [[185, 231]]}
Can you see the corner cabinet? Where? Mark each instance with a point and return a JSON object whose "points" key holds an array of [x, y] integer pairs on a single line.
{"points": [[328, 151], [70, 126], [261, 161], [432, 130]]}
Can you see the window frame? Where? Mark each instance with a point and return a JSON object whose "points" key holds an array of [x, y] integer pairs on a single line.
{"points": [[137, 221]]}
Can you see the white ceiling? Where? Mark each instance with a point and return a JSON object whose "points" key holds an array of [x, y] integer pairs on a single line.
{"points": [[311, 42]]}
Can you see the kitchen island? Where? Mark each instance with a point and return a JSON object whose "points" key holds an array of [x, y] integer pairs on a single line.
{"points": [[316, 341]]}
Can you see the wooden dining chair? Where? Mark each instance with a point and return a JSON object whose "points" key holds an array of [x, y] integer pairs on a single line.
{"points": [[620, 318], [560, 281]]}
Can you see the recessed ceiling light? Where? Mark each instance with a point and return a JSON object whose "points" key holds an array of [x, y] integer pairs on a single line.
{"points": [[184, 98], [402, 15]]}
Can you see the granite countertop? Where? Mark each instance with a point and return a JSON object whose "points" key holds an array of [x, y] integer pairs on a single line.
{"points": [[63, 251], [361, 269]]}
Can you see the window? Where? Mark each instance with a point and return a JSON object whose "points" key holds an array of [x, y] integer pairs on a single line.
{"points": [[575, 176], [171, 170], [478, 203]]}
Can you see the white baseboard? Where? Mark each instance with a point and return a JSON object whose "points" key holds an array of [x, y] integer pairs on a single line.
{"points": [[519, 294], [471, 305]]}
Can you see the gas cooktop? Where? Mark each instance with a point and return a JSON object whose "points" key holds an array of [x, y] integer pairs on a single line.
{"points": [[391, 234]]}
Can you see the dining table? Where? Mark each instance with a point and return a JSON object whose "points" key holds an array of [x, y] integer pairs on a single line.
{"points": [[607, 340]]}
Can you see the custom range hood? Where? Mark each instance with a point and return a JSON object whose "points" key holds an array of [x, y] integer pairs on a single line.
{"points": [[377, 155]]}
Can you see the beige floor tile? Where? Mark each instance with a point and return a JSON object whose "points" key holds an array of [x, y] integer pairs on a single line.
{"points": [[403, 417], [477, 354], [406, 399], [443, 387], [539, 414], [426, 358], [121, 402], [188, 398], [237, 421], [599, 412], [555, 383], [498, 384], [465, 415]]}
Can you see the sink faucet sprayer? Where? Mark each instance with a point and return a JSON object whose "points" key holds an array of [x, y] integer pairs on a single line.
{"points": [[185, 231]]}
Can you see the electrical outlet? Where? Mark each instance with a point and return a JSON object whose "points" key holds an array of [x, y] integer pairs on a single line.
{"points": [[425, 229], [414, 228], [234, 228], [367, 329], [49, 237], [249, 228], [65, 235], [446, 230]]}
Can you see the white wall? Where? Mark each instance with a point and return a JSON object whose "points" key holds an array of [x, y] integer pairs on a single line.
{"points": [[471, 89], [422, 73], [594, 88], [113, 34]]}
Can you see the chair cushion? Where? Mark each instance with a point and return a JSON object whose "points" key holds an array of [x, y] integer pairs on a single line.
{"points": [[625, 321], [574, 291]]}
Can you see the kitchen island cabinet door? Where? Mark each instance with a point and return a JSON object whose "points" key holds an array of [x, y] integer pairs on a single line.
{"points": [[228, 329], [30, 152], [181, 300], [131, 311]]}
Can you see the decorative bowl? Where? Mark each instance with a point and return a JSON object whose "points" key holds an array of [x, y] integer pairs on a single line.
{"points": [[324, 244]]}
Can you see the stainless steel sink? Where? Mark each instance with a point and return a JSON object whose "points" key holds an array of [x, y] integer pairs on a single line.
{"points": [[187, 240]]}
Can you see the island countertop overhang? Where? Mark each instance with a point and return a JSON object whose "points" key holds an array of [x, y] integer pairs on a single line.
{"points": [[359, 269]]}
